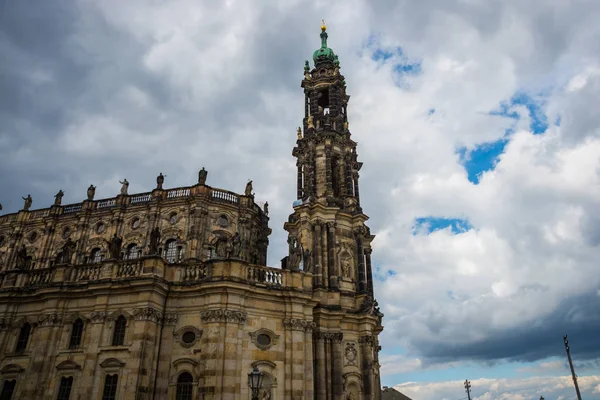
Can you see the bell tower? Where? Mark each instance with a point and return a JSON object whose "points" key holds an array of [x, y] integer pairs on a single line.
{"points": [[328, 238]]}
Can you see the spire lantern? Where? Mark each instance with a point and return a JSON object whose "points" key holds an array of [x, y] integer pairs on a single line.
{"points": [[324, 54]]}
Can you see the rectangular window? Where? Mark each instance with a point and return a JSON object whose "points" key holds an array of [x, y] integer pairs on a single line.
{"points": [[8, 389], [110, 387], [23, 338], [64, 391]]}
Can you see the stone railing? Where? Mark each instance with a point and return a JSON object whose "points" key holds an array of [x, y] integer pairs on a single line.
{"points": [[39, 277], [194, 272], [86, 273], [71, 208], [222, 195], [130, 268], [106, 203], [141, 198], [211, 272], [39, 213], [8, 218], [182, 192], [265, 275]]}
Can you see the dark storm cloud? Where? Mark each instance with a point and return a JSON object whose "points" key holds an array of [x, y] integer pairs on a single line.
{"points": [[578, 317]]}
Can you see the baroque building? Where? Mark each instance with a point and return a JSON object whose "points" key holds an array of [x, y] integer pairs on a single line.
{"points": [[167, 294]]}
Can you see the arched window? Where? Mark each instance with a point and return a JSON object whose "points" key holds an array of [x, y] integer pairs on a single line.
{"points": [[184, 386], [76, 333], [171, 251], [110, 387], [132, 251], [119, 333], [8, 388], [64, 390], [96, 256], [23, 338]]}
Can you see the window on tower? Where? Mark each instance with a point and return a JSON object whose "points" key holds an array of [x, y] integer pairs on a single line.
{"points": [[323, 100]]}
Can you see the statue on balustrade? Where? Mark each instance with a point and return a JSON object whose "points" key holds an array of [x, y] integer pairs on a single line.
{"points": [[58, 198], [28, 202], [22, 260], [266, 208], [91, 192], [68, 250], [295, 254], [307, 261], [248, 190], [154, 241], [236, 242], [160, 179], [202, 176], [114, 247], [124, 187]]}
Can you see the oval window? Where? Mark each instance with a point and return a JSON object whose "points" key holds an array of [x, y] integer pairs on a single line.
{"points": [[188, 337], [263, 340]]}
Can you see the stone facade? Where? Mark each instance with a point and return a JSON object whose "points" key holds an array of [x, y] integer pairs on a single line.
{"points": [[166, 294]]}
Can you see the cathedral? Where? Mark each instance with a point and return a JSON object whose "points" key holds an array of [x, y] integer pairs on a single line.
{"points": [[167, 294]]}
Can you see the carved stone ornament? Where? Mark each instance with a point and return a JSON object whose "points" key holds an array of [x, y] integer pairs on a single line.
{"points": [[368, 340], [299, 325], [51, 319], [224, 316], [350, 353], [170, 318], [329, 336], [188, 336], [98, 317], [147, 314]]}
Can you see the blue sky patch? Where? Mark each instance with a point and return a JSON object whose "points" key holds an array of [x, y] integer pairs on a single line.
{"points": [[431, 224], [481, 159], [402, 66], [539, 120]]}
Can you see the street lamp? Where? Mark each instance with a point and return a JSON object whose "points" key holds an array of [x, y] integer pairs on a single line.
{"points": [[255, 379]]}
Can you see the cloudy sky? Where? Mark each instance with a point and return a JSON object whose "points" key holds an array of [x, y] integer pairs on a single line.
{"points": [[477, 122]]}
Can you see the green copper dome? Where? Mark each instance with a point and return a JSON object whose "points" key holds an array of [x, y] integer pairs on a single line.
{"points": [[324, 54]]}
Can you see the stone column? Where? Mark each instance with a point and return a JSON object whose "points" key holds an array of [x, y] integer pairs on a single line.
{"points": [[160, 369], [320, 366], [337, 366], [348, 176], [93, 338], [300, 188], [324, 255], [360, 264], [44, 348], [366, 343], [332, 265], [328, 173], [367, 252], [146, 337], [356, 193], [309, 372], [318, 255]]}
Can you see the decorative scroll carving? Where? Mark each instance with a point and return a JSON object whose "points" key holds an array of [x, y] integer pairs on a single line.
{"points": [[299, 325], [329, 336], [224, 316], [98, 317], [350, 353], [170, 318], [147, 314], [51, 319], [368, 340]]}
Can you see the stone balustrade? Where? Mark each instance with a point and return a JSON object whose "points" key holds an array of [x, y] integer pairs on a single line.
{"points": [[186, 273]]}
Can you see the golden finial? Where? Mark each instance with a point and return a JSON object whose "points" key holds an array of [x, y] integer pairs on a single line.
{"points": [[323, 26]]}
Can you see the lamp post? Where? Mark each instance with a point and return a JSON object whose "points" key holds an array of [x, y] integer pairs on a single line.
{"points": [[255, 379]]}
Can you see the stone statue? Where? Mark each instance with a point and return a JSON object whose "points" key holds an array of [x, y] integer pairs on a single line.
{"points": [[91, 192], [295, 253], [160, 179], [114, 247], [266, 395], [248, 190], [124, 187], [67, 251], [28, 202], [310, 123], [266, 208], [346, 268], [21, 260], [306, 70], [202, 176], [345, 126], [58, 197], [0, 206], [154, 241], [299, 133], [236, 241], [307, 263]]}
